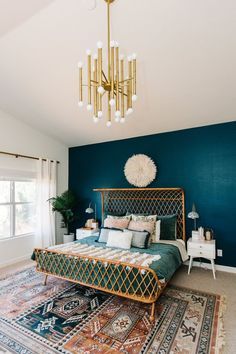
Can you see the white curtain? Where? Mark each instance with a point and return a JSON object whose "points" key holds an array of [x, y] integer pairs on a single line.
{"points": [[46, 188]]}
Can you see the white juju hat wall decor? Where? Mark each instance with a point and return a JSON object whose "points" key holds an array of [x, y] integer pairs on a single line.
{"points": [[140, 170]]}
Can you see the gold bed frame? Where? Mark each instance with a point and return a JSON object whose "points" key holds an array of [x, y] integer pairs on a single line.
{"points": [[131, 281]]}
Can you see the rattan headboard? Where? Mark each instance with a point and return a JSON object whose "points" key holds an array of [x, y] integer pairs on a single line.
{"points": [[160, 201]]}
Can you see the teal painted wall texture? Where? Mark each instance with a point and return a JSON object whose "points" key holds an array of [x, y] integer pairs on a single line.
{"points": [[200, 160]]}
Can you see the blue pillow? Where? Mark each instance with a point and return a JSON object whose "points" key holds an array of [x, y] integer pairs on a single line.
{"points": [[140, 239], [104, 232]]}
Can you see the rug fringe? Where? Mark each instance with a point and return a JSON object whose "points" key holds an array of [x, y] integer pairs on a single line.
{"points": [[221, 333]]}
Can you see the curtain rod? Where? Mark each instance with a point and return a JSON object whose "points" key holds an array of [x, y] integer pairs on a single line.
{"points": [[25, 156]]}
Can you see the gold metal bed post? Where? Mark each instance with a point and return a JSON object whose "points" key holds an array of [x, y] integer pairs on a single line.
{"points": [[129, 280]]}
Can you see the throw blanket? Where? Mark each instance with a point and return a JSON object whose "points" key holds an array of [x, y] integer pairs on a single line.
{"points": [[136, 258]]}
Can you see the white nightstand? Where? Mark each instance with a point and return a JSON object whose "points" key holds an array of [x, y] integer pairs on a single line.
{"points": [[85, 232], [202, 249]]}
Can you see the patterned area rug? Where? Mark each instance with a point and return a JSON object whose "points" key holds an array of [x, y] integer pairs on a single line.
{"points": [[65, 318]]}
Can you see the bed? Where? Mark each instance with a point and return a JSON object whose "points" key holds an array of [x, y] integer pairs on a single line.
{"points": [[137, 274]]}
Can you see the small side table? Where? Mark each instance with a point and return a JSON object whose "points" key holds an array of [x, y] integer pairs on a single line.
{"points": [[85, 232], [202, 249]]}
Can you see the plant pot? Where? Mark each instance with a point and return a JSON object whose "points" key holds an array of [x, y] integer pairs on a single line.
{"points": [[68, 238]]}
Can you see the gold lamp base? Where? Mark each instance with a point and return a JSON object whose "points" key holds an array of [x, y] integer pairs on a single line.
{"points": [[109, 1]]}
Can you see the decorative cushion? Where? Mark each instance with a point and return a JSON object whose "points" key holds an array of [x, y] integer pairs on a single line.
{"points": [[142, 226], [137, 217], [120, 223], [157, 233], [128, 217], [120, 239], [103, 234], [140, 239], [115, 213], [168, 227]]}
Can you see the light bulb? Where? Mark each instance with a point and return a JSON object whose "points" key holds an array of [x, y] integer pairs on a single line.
{"points": [[80, 103], [116, 44], [99, 114], [122, 57], [117, 114], [112, 102], [80, 64], [117, 119], [129, 57], [134, 56], [134, 98], [99, 44], [129, 111], [101, 90], [108, 124], [88, 52], [89, 107], [95, 56], [95, 119], [122, 120], [112, 44]]}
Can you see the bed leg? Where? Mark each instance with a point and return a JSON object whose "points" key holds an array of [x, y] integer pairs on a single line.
{"points": [[45, 280], [152, 316]]}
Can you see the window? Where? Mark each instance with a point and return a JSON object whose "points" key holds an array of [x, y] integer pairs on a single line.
{"points": [[17, 207]]}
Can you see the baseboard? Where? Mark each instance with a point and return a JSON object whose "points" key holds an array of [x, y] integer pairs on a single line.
{"points": [[219, 267], [15, 260]]}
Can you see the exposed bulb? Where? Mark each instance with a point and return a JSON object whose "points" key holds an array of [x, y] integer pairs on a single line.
{"points": [[95, 56], [134, 56], [80, 103], [80, 64], [122, 57], [101, 90], [112, 102], [99, 44], [108, 124], [112, 44], [134, 98], [95, 119], [129, 58], [89, 107], [122, 120], [88, 52], [117, 114], [99, 114], [117, 119], [129, 111]]}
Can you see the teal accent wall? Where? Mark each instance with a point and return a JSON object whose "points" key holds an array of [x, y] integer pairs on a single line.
{"points": [[200, 160]]}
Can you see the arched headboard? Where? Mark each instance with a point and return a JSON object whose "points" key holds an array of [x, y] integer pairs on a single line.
{"points": [[154, 201]]}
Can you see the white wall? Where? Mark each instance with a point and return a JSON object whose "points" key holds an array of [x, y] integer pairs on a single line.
{"points": [[18, 137]]}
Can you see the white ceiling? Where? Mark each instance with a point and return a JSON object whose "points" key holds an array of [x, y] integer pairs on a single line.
{"points": [[186, 57]]}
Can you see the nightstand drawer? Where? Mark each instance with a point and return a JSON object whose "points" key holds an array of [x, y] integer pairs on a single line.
{"points": [[205, 253], [201, 246], [82, 233]]}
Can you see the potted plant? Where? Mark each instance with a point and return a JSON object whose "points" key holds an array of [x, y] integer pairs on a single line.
{"points": [[65, 205]]}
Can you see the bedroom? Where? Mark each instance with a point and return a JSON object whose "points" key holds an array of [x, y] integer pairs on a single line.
{"points": [[182, 126]]}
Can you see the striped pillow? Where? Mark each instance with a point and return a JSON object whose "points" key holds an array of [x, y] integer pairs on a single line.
{"points": [[142, 226]]}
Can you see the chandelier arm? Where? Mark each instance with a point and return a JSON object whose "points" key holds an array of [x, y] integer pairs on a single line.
{"points": [[122, 93], [104, 76]]}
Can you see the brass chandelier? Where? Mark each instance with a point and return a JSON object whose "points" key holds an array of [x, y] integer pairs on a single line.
{"points": [[118, 87]]}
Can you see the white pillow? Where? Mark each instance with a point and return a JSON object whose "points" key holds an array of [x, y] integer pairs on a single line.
{"points": [[120, 239], [157, 234]]}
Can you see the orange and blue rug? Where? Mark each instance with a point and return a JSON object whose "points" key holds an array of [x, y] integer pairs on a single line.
{"points": [[62, 317]]}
